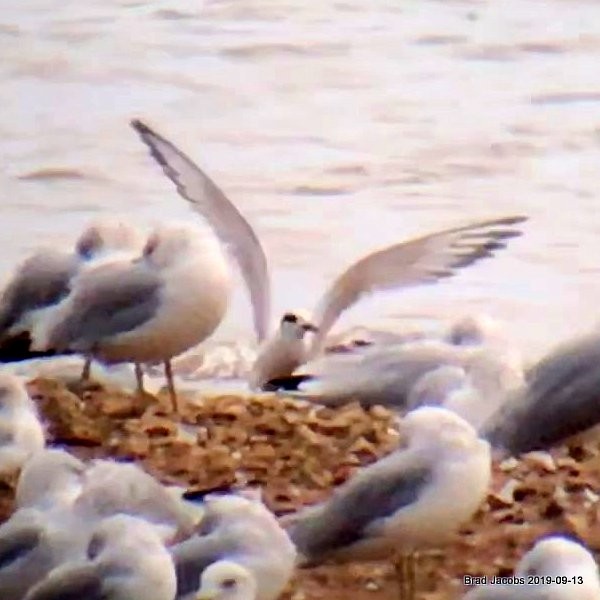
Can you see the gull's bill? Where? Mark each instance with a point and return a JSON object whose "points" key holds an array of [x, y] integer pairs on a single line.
{"points": [[228, 223]]}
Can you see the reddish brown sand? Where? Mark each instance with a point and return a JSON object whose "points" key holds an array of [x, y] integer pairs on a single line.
{"points": [[297, 453]]}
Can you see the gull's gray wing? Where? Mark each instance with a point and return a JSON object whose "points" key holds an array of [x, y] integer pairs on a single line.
{"points": [[16, 544], [192, 556], [561, 398], [357, 508], [423, 260], [383, 376], [70, 583], [228, 223], [40, 281], [109, 300]]}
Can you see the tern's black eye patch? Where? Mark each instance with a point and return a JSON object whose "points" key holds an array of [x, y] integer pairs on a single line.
{"points": [[289, 318]]}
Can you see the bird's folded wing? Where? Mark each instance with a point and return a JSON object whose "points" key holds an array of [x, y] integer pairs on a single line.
{"points": [[356, 509], [228, 223], [16, 543], [193, 556], [560, 399], [42, 280], [112, 299], [69, 583], [419, 261]]}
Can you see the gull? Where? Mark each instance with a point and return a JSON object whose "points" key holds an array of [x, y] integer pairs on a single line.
{"points": [[242, 530], [226, 580], [43, 531], [146, 310], [43, 279], [126, 560], [21, 432], [451, 388], [417, 497], [418, 261], [111, 488], [558, 400], [230, 226], [473, 376], [556, 568]]}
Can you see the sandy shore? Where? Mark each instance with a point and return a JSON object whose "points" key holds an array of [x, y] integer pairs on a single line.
{"points": [[297, 453]]}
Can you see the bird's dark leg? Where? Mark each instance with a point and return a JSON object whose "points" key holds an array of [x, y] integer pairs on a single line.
{"points": [[139, 378], [171, 385], [405, 568], [87, 370]]}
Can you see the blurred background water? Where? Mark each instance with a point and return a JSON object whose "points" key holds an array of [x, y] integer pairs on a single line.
{"points": [[336, 127]]}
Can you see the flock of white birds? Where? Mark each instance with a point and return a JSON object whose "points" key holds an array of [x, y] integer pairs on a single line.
{"points": [[108, 531]]}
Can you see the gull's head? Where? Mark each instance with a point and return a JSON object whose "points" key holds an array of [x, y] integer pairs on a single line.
{"points": [[295, 325], [438, 427], [226, 580], [474, 330], [558, 555], [106, 236], [13, 394], [434, 388], [122, 533], [168, 244], [50, 477]]}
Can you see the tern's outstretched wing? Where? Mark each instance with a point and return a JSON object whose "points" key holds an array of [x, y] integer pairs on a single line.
{"points": [[423, 260]]}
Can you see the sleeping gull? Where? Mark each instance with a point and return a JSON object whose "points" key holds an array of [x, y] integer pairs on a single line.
{"points": [[232, 229], [387, 375], [416, 497], [126, 561], [226, 580], [147, 310], [419, 261], [43, 532], [21, 432], [43, 279], [557, 568], [558, 400], [242, 530], [110, 488]]}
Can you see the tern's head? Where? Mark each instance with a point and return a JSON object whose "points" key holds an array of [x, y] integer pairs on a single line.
{"points": [[558, 555], [295, 325], [169, 244], [226, 580], [106, 236]]}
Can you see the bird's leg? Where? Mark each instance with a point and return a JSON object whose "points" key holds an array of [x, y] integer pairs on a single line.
{"points": [[171, 385], [404, 565], [139, 378], [87, 370]]}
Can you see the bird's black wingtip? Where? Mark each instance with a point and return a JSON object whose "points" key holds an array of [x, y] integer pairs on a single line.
{"points": [[140, 126]]}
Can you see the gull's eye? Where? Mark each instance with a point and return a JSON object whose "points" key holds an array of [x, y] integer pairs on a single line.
{"points": [[150, 246], [229, 583], [289, 318]]}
